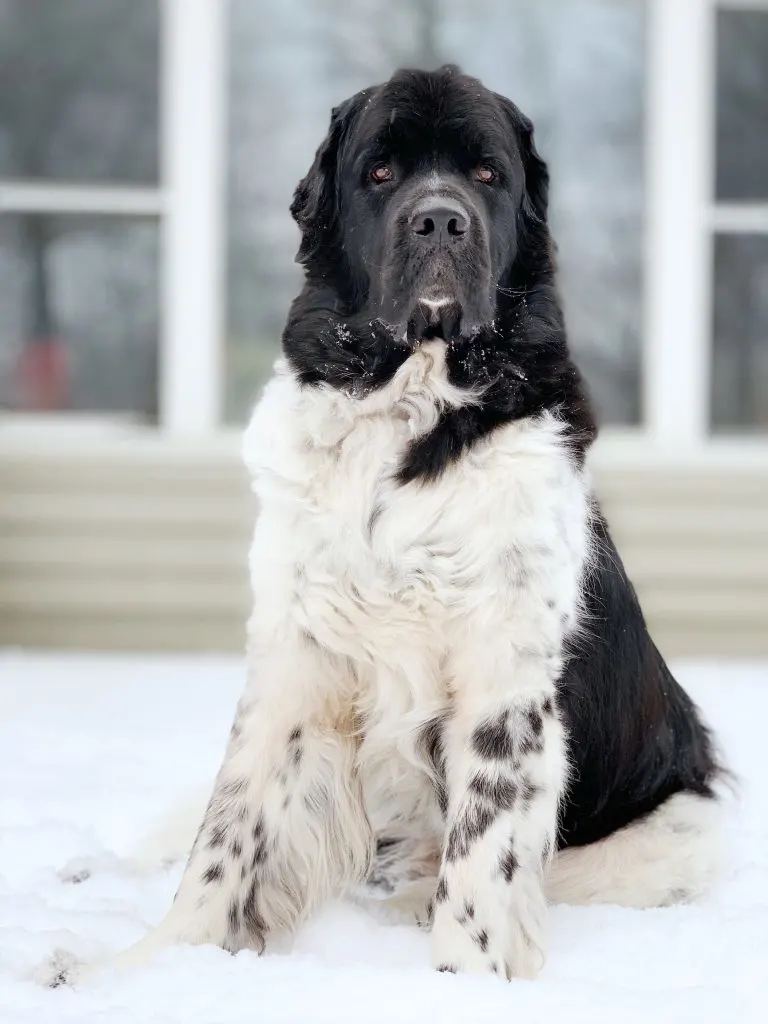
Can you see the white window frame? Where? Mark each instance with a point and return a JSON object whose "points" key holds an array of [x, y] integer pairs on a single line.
{"points": [[194, 87], [682, 217]]}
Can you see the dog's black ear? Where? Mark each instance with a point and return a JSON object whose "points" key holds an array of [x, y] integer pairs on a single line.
{"points": [[536, 198], [535, 202], [315, 201]]}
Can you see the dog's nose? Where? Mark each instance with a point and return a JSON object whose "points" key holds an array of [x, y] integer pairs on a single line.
{"points": [[440, 220]]}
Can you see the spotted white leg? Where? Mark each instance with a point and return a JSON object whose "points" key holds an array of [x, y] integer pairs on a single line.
{"points": [[285, 826], [506, 770]]}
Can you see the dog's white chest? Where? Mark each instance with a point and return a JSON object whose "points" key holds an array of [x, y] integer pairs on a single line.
{"points": [[372, 568]]}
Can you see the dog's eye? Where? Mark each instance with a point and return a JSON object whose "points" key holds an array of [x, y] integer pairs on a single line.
{"points": [[381, 174], [486, 174]]}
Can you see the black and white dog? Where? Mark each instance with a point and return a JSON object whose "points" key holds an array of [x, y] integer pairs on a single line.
{"points": [[451, 691]]}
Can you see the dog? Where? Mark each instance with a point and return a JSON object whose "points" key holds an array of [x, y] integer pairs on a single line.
{"points": [[451, 697]]}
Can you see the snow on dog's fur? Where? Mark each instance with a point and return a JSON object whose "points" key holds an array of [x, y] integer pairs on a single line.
{"points": [[451, 694]]}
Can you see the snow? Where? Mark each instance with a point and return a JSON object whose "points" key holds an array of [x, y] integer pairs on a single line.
{"points": [[96, 753]]}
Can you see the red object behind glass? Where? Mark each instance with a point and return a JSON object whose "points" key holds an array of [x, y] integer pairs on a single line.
{"points": [[43, 376]]}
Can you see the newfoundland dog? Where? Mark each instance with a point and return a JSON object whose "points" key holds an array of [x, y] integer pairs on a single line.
{"points": [[452, 701]]}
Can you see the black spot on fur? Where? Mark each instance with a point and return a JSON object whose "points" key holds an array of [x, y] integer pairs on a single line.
{"points": [[508, 864], [430, 914], [295, 734], [482, 940], [491, 740], [217, 837], [447, 969], [528, 792], [530, 745], [469, 910], [233, 919], [441, 894], [259, 853], [547, 706], [232, 788], [258, 828], [213, 873], [309, 637], [252, 918], [298, 753], [236, 849], [500, 791], [471, 826], [430, 747], [535, 721]]}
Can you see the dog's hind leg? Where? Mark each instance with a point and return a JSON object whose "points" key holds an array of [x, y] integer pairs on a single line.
{"points": [[285, 826], [671, 856]]}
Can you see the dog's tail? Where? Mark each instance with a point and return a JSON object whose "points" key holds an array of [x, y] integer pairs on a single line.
{"points": [[671, 856]]}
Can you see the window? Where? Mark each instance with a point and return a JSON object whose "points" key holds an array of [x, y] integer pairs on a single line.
{"points": [[576, 66], [79, 314], [79, 177], [739, 370], [146, 254]]}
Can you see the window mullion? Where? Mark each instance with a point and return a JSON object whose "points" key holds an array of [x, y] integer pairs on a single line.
{"points": [[679, 244], [193, 160]]}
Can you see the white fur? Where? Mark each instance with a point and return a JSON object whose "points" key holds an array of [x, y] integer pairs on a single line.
{"points": [[376, 607], [671, 856]]}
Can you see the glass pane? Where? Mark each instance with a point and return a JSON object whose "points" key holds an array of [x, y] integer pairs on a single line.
{"points": [[740, 351], [576, 66], [742, 105], [79, 90], [79, 314]]}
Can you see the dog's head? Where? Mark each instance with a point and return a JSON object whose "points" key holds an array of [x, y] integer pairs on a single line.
{"points": [[425, 204]]}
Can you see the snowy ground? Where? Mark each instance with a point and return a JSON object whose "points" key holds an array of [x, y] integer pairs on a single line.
{"points": [[95, 753]]}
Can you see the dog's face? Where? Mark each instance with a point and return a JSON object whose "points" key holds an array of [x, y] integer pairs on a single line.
{"points": [[426, 198]]}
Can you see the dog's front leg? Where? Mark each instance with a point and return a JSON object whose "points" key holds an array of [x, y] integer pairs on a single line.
{"points": [[285, 825], [505, 772]]}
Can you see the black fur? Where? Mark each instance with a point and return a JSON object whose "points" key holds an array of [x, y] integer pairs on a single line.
{"points": [[635, 737], [492, 740], [474, 822], [430, 747], [513, 343]]}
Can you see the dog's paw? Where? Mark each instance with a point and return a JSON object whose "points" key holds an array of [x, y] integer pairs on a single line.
{"points": [[75, 872], [462, 946], [464, 943], [412, 903], [61, 968]]}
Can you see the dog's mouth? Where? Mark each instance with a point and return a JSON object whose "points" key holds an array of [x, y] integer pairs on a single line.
{"points": [[434, 318]]}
